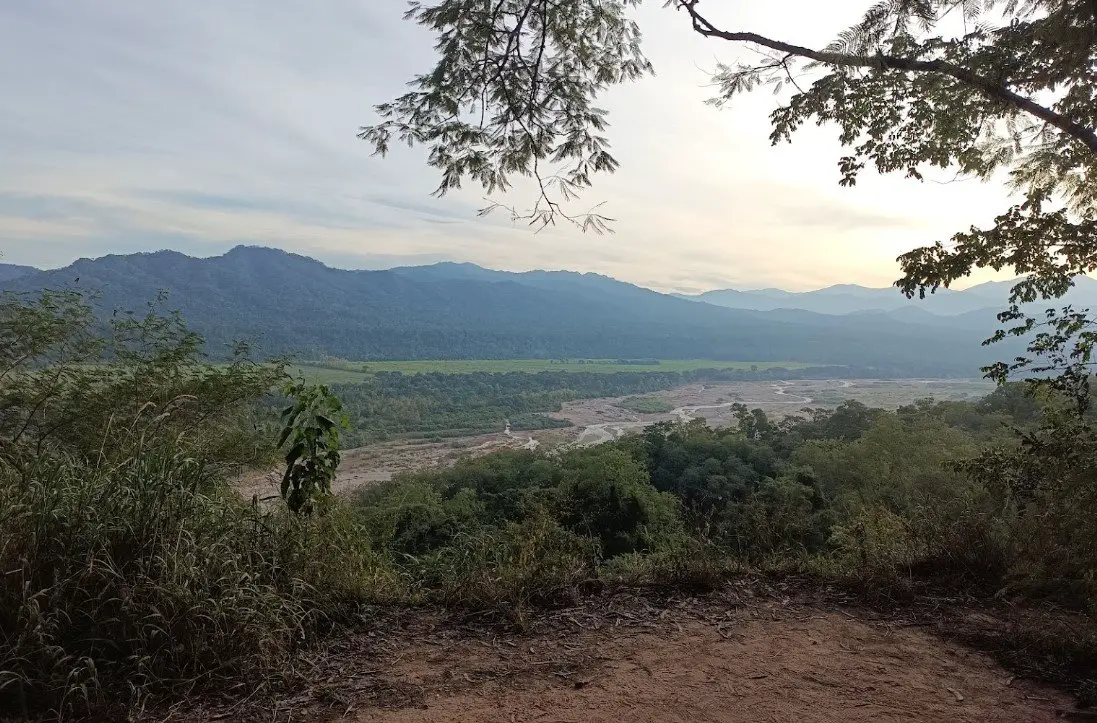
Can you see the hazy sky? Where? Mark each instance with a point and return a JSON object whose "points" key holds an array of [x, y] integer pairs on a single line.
{"points": [[130, 125]]}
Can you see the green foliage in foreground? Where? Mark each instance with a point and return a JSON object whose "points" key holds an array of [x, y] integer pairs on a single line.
{"points": [[130, 567], [310, 438], [133, 573]]}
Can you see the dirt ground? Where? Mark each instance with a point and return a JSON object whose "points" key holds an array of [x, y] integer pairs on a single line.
{"points": [[822, 667], [752, 652]]}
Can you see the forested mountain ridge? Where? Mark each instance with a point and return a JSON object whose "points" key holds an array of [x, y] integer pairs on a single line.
{"points": [[287, 303]]}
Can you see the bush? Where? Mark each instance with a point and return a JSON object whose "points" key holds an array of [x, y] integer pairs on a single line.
{"points": [[606, 495], [781, 517], [508, 570], [875, 544], [688, 563], [898, 465], [1050, 483], [412, 517], [970, 549]]}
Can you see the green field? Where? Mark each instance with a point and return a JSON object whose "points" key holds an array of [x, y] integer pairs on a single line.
{"points": [[344, 372]]}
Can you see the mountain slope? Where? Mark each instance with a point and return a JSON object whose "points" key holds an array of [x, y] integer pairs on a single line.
{"points": [[293, 304], [10, 272], [595, 288]]}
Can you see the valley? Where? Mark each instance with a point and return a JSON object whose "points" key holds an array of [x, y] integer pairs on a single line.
{"points": [[599, 420], [497, 361]]}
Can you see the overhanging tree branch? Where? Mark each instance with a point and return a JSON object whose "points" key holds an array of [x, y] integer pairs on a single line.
{"points": [[994, 89]]}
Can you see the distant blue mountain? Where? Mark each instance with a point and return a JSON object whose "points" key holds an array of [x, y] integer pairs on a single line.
{"points": [[288, 303], [9, 272], [852, 299]]}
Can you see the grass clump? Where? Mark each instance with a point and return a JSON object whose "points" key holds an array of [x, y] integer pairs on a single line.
{"points": [[121, 582], [512, 569]]}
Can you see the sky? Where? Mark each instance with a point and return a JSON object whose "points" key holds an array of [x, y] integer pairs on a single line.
{"points": [[136, 126]]}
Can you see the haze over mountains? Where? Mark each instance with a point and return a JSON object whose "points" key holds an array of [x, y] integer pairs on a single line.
{"points": [[288, 303], [852, 299]]}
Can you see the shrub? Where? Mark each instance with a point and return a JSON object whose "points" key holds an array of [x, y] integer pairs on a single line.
{"points": [[687, 563], [413, 518], [1050, 481], [898, 465], [69, 388], [780, 517], [606, 495], [510, 569], [875, 544]]}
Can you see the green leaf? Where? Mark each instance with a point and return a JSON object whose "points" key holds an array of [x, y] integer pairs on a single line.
{"points": [[295, 453]]}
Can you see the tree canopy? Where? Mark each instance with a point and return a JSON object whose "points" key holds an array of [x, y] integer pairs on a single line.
{"points": [[991, 88]]}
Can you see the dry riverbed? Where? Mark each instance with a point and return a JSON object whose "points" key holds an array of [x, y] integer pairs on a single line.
{"points": [[601, 420]]}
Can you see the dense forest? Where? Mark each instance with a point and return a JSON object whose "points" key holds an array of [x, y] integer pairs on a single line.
{"points": [[855, 490], [805, 492]]}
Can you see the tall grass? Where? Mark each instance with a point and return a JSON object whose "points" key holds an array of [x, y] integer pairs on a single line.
{"points": [[514, 569], [129, 568], [147, 578]]}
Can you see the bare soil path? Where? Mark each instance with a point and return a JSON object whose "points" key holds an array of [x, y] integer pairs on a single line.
{"points": [[753, 651], [816, 666]]}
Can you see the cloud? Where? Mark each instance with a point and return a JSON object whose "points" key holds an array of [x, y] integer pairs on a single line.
{"points": [[837, 216], [199, 125], [215, 201], [432, 211], [18, 228]]}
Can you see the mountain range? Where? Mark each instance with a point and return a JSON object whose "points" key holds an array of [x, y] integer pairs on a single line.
{"points": [[852, 299], [287, 303], [9, 272]]}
